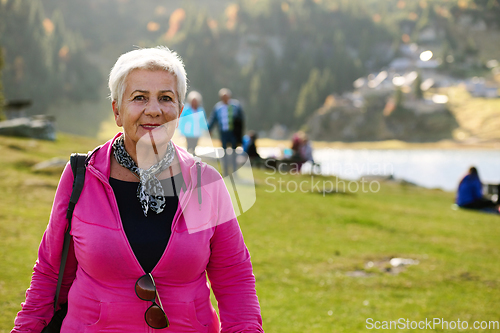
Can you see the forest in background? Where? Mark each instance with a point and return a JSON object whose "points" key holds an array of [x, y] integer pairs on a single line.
{"points": [[281, 59]]}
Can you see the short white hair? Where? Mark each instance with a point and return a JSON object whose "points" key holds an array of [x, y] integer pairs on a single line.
{"points": [[194, 95], [225, 91], [157, 58]]}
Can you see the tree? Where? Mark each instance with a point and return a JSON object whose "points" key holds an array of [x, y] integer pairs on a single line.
{"points": [[490, 11], [281, 59], [417, 88], [2, 115], [398, 99], [313, 93], [44, 61]]}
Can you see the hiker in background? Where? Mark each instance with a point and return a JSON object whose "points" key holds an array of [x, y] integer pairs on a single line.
{"points": [[249, 146], [229, 117], [306, 151], [297, 146], [192, 123], [297, 150], [470, 192]]}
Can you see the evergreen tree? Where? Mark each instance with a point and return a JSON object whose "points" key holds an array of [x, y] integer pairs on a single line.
{"points": [[44, 62], [417, 87], [490, 11], [2, 102], [280, 60], [398, 98], [313, 94]]}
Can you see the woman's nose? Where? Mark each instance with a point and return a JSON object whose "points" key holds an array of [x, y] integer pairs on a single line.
{"points": [[153, 108]]}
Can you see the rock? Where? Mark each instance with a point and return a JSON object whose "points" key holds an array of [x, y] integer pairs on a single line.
{"points": [[358, 273], [38, 127], [396, 262], [54, 163]]}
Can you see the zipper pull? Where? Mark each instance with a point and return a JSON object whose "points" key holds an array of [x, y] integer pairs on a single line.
{"points": [[198, 167]]}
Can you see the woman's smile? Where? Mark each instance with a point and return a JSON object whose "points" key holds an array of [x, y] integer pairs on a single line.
{"points": [[150, 127], [150, 105]]}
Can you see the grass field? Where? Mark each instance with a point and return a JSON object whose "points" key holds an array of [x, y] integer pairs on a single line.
{"points": [[321, 262]]}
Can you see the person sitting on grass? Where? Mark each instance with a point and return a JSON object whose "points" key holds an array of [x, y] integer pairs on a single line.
{"points": [[470, 192]]}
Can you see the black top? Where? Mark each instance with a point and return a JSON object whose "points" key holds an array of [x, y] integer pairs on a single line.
{"points": [[148, 236]]}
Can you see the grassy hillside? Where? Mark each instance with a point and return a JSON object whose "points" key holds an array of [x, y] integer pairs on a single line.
{"points": [[321, 262], [478, 118]]}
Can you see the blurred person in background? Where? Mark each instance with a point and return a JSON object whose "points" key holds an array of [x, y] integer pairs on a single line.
{"points": [[470, 192], [297, 146], [228, 115], [306, 150], [298, 150], [250, 147], [144, 227], [192, 123]]}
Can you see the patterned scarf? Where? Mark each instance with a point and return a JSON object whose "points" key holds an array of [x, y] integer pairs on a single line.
{"points": [[149, 192]]}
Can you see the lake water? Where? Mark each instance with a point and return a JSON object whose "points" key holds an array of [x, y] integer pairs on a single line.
{"points": [[428, 168]]}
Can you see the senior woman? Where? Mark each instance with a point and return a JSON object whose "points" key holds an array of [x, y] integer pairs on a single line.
{"points": [[193, 123], [149, 215]]}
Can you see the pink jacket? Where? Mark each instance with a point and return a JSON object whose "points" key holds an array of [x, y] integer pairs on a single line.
{"points": [[102, 269]]}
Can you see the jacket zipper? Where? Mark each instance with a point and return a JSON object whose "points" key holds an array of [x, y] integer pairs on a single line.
{"points": [[185, 198], [198, 184]]}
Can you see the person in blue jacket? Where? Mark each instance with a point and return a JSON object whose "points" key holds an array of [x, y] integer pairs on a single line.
{"points": [[192, 123], [228, 116], [470, 192]]}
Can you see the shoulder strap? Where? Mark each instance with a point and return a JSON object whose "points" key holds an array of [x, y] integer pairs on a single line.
{"points": [[77, 162]]}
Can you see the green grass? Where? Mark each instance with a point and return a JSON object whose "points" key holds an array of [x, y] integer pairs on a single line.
{"points": [[26, 200], [303, 247], [308, 242]]}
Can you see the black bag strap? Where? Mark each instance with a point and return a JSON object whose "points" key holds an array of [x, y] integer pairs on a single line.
{"points": [[77, 162]]}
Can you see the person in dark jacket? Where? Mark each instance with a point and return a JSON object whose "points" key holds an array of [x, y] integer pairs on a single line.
{"points": [[229, 117], [249, 145], [470, 192]]}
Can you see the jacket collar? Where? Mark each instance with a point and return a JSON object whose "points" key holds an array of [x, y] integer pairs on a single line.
{"points": [[187, 163], [100, 161]]}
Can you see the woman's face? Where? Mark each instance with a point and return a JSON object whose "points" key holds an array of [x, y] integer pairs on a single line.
{"points": [[194, 103], [149, 106]]}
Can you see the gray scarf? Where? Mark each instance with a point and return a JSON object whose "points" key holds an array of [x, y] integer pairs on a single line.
{"points": [[149, 192]]}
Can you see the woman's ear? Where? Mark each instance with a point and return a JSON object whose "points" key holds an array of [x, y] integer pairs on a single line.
{"points": [[178, 116], [116, 113], [181, 108]]}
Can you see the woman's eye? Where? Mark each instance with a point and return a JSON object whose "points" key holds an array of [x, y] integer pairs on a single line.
{"points": [[165, 98], [139, 98]]}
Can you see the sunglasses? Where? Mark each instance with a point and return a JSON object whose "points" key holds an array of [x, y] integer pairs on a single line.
{"points": [[145, 289]]}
